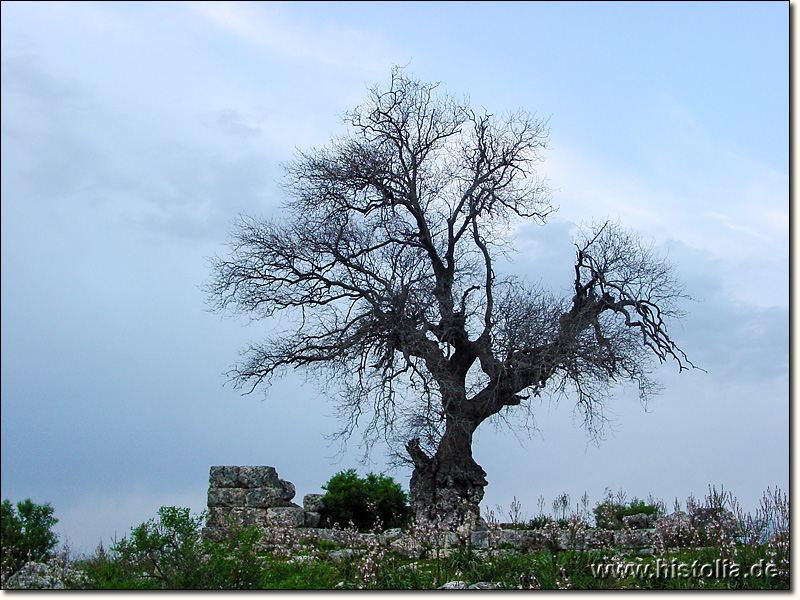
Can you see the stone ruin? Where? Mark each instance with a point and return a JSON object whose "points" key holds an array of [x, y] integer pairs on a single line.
{"points": [[252, 496], [255, 496]]}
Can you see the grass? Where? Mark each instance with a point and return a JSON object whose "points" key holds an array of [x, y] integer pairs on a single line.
{"points": [[168, 553]]}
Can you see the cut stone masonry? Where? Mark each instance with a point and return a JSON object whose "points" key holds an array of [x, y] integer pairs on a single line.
{"points": [[255, 496], [249, 496]]}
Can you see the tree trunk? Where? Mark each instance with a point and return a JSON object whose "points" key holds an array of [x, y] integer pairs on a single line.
{"points": [[448, 487]]}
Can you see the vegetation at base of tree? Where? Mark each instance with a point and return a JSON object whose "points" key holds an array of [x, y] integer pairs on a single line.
{"points": [[167, 552], [365, 501]]}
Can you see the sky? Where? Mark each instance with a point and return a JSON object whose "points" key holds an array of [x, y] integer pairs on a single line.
{"points": [[133, 134]]}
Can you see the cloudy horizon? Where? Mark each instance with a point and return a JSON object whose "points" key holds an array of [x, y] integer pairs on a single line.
{"points": [[134, 133]]}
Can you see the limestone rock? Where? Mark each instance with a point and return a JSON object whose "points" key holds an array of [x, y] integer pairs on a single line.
{"points": [[453, 585], [224, 477], [265, 497], [638, 521], [511, 538], [633, 538], [391, 535], [288, 490], [313, 503], [535, 539], [331, 535], [258, 477], [215, 516], [214, 534], [35, 576], [407, 546], [249, 496], [248, 516], [341, 555], [226, 496], [480, 540], [312, 519], [286, 516], [222, 516]]}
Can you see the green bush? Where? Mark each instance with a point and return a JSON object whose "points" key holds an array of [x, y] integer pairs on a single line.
{"points": [[234, 563], [539, 522], [168, 553], [365, 501], [166, 550], [26, 534], [609, 513], [107, 570]]}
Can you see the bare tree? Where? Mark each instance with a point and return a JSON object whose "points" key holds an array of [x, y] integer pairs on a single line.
{"points": [[386, 261]]}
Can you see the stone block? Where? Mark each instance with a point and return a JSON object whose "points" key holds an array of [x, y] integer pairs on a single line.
{"points": [[213, 534], [485, 585], [225, 497], [532, 540], [331, 535], [453, 585], [313, 503], [408, 547], [224, 477], [236, 516], [264, 497], [601, 538], [451, 539], [288, 489], [341, 555], [510, 537], [215, 516], [633, 538], [258, 477], [637, 521], [250, 517], [591, 539], [312, 519], [480, 540], [391, 535], [287, 516]]}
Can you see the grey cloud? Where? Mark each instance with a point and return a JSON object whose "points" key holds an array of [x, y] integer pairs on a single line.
{"points": [[59, 147], [740, 343], [233, 122], [734, 341], [23, 74]]}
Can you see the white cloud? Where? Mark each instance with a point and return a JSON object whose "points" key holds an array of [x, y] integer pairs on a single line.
{"points": [[730, 205], [269, 26]]}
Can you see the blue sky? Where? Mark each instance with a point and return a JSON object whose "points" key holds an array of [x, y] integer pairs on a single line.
{"points": [[133, 133]]}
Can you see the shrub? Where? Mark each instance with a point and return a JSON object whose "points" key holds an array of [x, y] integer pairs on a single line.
{"points": [[107, 570], [233, 562], [609, 513], [364, 501], [25, 534], [539, 522], [166, 549], [167, 553]]}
